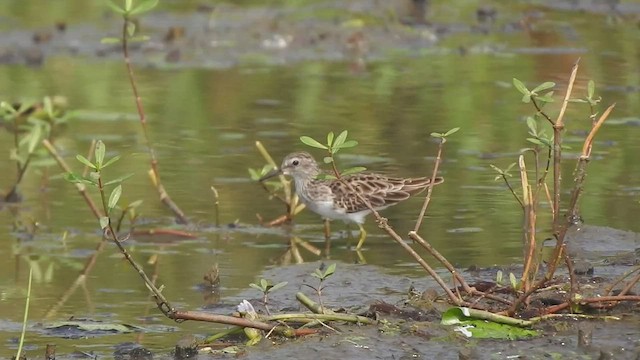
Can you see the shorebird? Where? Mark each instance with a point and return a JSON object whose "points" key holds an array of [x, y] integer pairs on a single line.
{"points": [[337, 199]]}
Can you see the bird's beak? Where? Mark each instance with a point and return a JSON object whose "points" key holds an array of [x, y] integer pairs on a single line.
{"points": [[270, 174]]}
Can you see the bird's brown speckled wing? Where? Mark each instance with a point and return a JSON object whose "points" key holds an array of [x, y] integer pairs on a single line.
{"points": [[381, 191]]}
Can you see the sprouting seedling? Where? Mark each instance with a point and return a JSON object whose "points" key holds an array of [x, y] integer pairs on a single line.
{"points": [[267, 287], [443, 136], [127, 11], [322, 276], [334, 145], [94, 178], [535, 94]]}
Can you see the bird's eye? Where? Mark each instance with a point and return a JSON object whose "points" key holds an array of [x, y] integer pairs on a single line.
{"points": [[295, 162]]}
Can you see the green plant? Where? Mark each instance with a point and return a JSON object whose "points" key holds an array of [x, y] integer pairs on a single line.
{"points": [[266, 287], [333, 146], [322, 276], [30, 122]]}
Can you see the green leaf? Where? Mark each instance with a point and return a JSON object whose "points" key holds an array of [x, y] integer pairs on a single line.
{"points": [[348, 144], [437, 135], [526, 99], [115, 7], [548, 97], [139, 38], [535, 141], [128, 4], [513, 281], [144, 7], [520, 87], [34, 138], [484, 325], [131, 28], [110, 161], [330, 138], [591, 89], [543, 86], [256, 287], [48, 106], [581, 101], [264, 284], [73, 178], [452, 131], [354, 170], [85, 161], [99, 154], [312, 142], [330, 270], [104, 222], [496, 169], [115, 196], [135, 204], [532, 125], [278, 286], [328, 159], [340, 139], [253, 174], [118, 180], [110, 40]]}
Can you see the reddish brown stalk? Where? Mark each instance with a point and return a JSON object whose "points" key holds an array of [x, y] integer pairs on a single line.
{"points": [[164, 196], [427, 198]]}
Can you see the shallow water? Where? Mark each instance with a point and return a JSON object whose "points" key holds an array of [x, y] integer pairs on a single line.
{"points": [[207, 110]]}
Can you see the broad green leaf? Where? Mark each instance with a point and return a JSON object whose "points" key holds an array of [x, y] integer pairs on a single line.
{"points": [[354, 170], [484, 325], [348, 144], [330, 270], [99, 153], [330, 138], [144, 7], [436, 135], [104, 222], [34, 138], [548, 97], [115, 196], [110, 161], [278, 286], [85, 161], [253, 174], [115, 7], [520, 87], [340, 139], [526, 99], [118, 180], [128, 4], [591, 89], [532, 125], [257, 287], [312, 142], [452, 131], [535, 141], [328, 159], [543, 86], [264, 284], [110, 40]]}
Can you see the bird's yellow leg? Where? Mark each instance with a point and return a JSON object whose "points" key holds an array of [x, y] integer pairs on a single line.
{"points": [[363, 235]]}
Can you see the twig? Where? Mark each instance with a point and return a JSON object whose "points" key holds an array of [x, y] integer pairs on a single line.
{"points": [[164, 196], [427, 198]]}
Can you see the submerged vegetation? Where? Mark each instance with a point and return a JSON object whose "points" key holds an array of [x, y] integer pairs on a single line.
{"points": [[544, 286]]}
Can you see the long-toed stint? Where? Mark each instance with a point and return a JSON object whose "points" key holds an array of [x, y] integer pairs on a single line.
{"points": [[332, 199]]}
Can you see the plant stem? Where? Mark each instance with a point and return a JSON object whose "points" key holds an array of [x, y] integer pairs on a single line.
{"points": [[26, 314]]}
